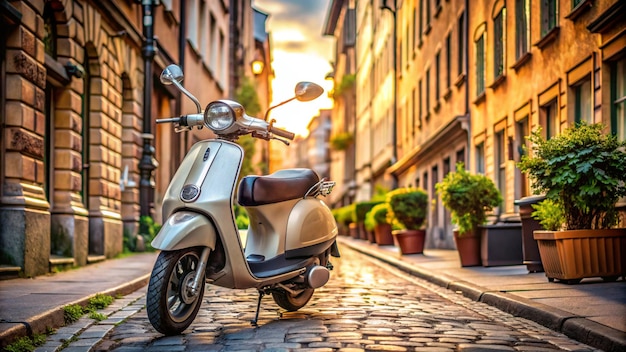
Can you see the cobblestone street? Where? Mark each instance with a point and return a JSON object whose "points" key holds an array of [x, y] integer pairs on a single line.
{"points": [[366, 306]]}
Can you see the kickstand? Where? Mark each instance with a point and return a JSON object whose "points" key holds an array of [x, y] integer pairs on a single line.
{"points": [[255, 321]]}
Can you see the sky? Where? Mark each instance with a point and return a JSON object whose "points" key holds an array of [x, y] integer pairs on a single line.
{"points": [[300, 52]]}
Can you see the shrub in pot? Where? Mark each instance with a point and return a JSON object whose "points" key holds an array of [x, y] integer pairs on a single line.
{"points": [[343, 217], [581, 171], [382, 226], [360, 211], [409, 206], [469, 198]]}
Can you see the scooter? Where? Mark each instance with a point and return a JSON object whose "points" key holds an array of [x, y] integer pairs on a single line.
{"points": [[291, 235]]}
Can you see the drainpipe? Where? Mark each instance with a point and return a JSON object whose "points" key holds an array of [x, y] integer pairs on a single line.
{"points": [[394, 133], [182, 45], [468, 126], [148, 163]]}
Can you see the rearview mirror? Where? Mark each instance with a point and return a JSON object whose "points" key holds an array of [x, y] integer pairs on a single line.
{"points": [[307, 91], [171, 74]]}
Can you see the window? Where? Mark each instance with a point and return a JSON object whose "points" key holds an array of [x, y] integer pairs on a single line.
{"points": [[203, 41], [50, 33], [415, 27], [192, 23], [499, 43], [500, 161], [421, 20], [460, 63], [480, 158], [522, 14], [437, 77], [427, 93], [448, 60], [480, 65], [618, 97], [576, 3], [427, 29], [413, 113], [521, 131], [460, 156], [550, 119], [214, 43], [548, 16], [419, 104], [583, 109]]}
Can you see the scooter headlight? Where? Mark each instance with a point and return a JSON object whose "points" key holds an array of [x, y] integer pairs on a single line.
{"points": [[219, 116]]}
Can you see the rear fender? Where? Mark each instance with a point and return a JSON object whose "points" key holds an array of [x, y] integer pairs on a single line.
{"points": [[185, 229]]}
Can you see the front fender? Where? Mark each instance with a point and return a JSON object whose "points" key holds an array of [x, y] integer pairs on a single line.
{"points": [[185, 229]]}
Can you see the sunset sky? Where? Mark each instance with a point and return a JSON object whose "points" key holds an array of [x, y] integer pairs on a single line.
{"points": [[300, 53]]}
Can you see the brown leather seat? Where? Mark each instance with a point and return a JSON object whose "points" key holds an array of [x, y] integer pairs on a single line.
{"points": [[280, 186]]}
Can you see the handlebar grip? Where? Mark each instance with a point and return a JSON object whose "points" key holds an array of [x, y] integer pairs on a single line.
{"points": [[283, 133], [172, 119]]}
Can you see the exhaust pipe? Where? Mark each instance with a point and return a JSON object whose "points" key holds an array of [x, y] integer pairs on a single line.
{"points": [[316, 276]]}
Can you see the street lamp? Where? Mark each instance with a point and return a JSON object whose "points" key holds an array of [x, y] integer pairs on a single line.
{"points": [[148, 163], [394, 134], [257, 64]]}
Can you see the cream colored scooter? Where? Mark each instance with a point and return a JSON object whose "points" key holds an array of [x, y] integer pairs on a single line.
{"points": [[291, 235]]}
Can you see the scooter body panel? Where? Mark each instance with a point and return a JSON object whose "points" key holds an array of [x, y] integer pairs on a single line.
{"points": [[185, 229], [310, 224]]}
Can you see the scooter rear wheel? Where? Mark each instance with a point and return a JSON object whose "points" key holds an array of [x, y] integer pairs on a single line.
{"points": [[291, 302], [170, 305]]}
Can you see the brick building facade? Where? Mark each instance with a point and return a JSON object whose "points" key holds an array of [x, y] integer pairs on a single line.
{"points": [[72, 117]]}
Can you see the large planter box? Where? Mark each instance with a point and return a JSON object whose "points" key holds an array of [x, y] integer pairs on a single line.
{"points": [[573, 255], [501, 244]]}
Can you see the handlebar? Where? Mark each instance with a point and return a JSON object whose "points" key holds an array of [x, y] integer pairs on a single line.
{"points": [[282, 133]]}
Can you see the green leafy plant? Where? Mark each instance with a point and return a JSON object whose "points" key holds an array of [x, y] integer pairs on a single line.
{"points": [[347, 83], [97, 316], [148, 228], [468, 197], [409, 206], [361, 209], [99, 301], [341, 140], [580, 170], [550, 214], [379, 213], [369, 222], [26, 343], [72, 313]]}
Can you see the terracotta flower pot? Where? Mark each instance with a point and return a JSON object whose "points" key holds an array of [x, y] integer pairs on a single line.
{"points": [[468, 246], [410, 241], [383, 235], [573, 255]]}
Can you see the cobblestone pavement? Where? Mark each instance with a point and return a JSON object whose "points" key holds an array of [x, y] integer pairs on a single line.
{"points": [[367, 306]]}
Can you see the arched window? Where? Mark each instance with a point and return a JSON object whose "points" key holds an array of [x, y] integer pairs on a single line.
{"points": [[479, 57], [499, 38]]}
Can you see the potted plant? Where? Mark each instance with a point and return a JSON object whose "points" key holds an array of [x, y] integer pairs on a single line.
{"points": [[581, 171], [409, 206], [382, 226], [343, 217], [468, 198], [360, 211]]}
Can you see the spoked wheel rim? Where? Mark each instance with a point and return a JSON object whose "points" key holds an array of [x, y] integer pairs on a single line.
{"points": [[180, 299]]}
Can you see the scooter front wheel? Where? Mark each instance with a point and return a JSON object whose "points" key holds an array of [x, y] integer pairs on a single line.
{"points": [[292, 302], [170, 302]]}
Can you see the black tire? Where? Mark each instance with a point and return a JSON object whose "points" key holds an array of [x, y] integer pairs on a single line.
{"points": [[171, 308], [610, 278], [291, 302]]}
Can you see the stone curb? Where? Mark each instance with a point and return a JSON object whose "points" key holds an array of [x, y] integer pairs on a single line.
{"points": [[573, 326], [54, 318]]}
